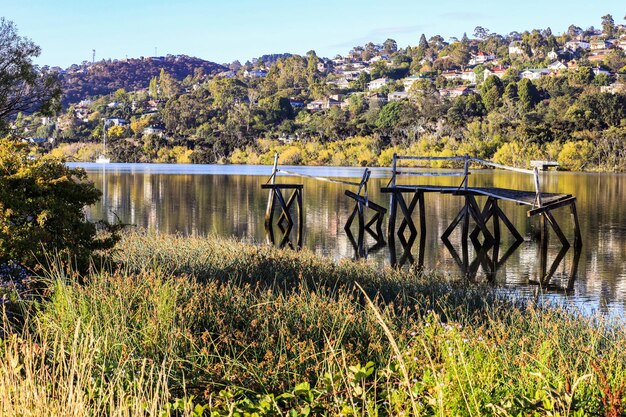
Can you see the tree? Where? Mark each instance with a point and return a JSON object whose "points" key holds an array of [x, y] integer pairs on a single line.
{"points": [[41, 209], [574, 30], [527, 93], [608, 26], [491, 91], [23, 86], [481, 32], [390, 46], [423, 44]]}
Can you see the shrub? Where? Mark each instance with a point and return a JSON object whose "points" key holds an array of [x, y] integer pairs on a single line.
{"points": [[576, 155], [41, 209]]}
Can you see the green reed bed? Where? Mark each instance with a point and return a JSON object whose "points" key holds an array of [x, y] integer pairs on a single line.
{"points": [[212, 326]]}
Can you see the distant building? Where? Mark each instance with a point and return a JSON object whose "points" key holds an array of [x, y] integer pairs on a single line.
{"points": [[613, 88], [481, 58], [575, 45], [557, 66], [596, 44], [598, 71], [323, 104], [378, 83], [397, 96], [496, 71], [408, 81], [38, 140], [116, 121], [154, 130], [469, 75], [534, 73], [255, 73], [515, 48], [296, 104], [456, 92]]}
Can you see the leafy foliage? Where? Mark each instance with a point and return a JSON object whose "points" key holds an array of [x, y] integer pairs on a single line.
{"points": [[23, 87], [41, 209]]}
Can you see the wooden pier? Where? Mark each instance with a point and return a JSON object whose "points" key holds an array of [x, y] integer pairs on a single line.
{"points": [[408, 196], [539, 202]]}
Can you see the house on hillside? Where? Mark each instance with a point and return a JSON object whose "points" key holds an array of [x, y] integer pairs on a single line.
{"points": [[614, 88], [377, 83], [557, 66], [534, 73], [116, 121], [455, 92], [597, 44], [496, 71], [481, 58], [323, 104], [397, 96], [598, 71], [576, 45], [469, 75], [553, 55], [255, 73], [154, 130], [515, 48], [296, 104], [451, 75], [376, 99], [408, 81]]}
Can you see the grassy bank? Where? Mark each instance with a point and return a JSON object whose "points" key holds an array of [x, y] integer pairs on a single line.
{"points": [[194, 326]]}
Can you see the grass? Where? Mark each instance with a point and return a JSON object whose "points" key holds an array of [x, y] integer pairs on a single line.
{"points": [[212, 326]]}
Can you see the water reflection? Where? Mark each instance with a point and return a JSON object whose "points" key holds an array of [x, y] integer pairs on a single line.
{"points": [[191, 202]]}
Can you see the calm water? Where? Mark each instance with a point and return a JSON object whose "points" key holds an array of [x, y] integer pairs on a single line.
{"points": [[229, 201]]}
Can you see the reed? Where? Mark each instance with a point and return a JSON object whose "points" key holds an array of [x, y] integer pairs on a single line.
{"points": [[212, 326]]}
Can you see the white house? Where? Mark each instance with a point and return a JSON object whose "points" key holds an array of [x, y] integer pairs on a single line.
{"points": [[323, 104], [255, 73], [515, 48], [397, 96], [613, 88], [451, 75], [553, 55], [598, 71], [481, 58], [575, 45], [535, 73], [408, 81], [469, 75], [596, 44], [153, 130], [116, 121], [377, 83], [455, 91], [497, 71], [557, 66]]}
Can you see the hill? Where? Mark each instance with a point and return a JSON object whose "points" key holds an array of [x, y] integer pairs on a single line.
{"points": [[105, 77]]}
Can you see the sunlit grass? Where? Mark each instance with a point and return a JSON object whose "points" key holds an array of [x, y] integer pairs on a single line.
{"points": [[211, 325]]}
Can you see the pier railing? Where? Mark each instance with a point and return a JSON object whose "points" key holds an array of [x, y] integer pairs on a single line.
{"points": [[467, 162]]}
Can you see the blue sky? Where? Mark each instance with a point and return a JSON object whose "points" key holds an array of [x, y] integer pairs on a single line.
{"points": [[222, 31]]}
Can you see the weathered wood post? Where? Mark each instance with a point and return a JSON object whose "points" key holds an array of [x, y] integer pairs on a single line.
{"points": [[393, 203], [466, 216], [270, 200]]}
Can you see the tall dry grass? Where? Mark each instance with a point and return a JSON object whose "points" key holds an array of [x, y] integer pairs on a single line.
{"points": [[195, 326]]}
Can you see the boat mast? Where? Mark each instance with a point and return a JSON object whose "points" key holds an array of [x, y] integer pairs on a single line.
{"points": [[104, 135]]}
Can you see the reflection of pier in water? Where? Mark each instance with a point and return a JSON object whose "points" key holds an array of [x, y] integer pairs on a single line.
{"points": [[489, 251]]}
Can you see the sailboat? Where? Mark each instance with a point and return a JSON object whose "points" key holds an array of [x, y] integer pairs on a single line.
{"points": [[102, 159]]}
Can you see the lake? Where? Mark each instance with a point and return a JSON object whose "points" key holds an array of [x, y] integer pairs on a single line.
{"points": [[227, 200]]}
